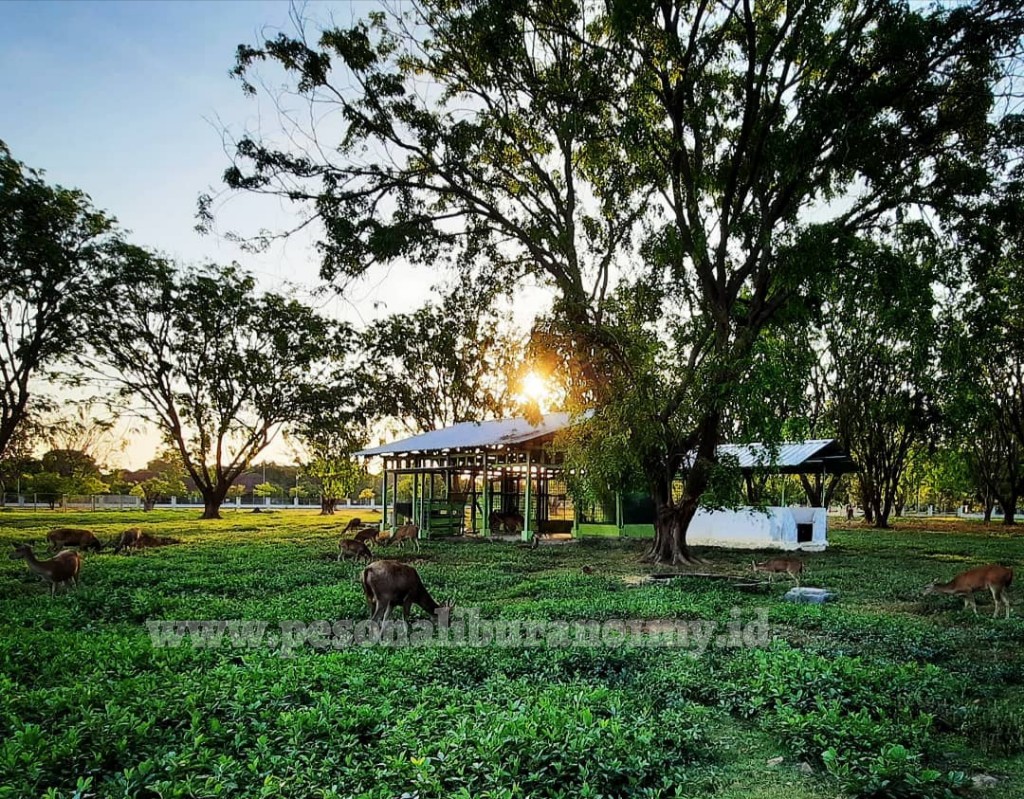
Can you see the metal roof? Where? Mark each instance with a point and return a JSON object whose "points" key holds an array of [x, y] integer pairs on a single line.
{"points": [[813, 455], [475, 435], [792, 457]]}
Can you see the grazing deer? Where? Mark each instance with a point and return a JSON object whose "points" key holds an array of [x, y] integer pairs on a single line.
{"points": [[995, 578], [511, 522], [147, 540], [72, 537], [794, 568], [357, 549], [407, 532], [352, 525], [367, 534], [388, 583], [130, 539], [61, 570]]}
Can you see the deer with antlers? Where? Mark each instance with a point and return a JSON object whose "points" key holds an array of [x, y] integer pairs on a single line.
{"points": [[994, 578]]}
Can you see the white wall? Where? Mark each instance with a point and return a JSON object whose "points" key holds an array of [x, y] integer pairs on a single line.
{"points": [[746, 528]]}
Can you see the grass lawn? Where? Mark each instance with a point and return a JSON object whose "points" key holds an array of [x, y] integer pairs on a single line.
{"points": [[883, 693]]}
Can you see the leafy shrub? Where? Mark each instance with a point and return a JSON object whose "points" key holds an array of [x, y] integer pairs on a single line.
{"points": [[894, 773]]}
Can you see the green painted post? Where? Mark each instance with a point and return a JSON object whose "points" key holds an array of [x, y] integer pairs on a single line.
{"points": [[384, 500], [527, 533], [618, 511], [394, 501], [430, 501], [487, 499], [417, 511]]}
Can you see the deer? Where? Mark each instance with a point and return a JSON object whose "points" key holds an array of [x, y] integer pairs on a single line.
{"points": [[794, 568], [389, 583], [993, 577], [352, 525], [60, 570], [72, 537], [130, 539], [511, 522], [357, 549], [367, 534], [407, 532]]}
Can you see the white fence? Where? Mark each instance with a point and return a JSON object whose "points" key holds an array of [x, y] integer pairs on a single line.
{"points": [[110, 502]]}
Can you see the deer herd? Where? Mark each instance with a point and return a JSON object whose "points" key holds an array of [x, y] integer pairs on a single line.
{"points": [[388, 584]]}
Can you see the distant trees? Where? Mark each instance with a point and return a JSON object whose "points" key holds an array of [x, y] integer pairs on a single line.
{"points": [[53, 247], [216, 365], [441, 364]]}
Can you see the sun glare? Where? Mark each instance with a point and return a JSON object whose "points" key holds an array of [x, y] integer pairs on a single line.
{"points": [[535, 389]]}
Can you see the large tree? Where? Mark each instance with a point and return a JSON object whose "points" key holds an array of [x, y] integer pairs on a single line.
{"points": [[881, 347], [216, 365], [52, 246], [664, 168], [439, 365]]}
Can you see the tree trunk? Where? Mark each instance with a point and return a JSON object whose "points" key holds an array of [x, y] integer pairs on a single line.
{"points": [[327, 506], [670, 527], [148, 504], [988, 511], [865, 502], [813, 491], [1009, 510], [212, 500]]}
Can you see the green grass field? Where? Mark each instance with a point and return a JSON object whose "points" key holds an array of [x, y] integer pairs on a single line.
{"points": [[883, 693]]}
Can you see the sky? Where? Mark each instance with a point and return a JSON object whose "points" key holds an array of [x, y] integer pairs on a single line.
{"points": [[129, 102]]}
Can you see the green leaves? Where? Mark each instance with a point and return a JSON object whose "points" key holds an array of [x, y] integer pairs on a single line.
{"points": [[53, 245]]}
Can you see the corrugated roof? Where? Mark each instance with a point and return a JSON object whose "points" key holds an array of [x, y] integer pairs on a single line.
{"points": [[472, 435], [788, 453], [811, 456]]}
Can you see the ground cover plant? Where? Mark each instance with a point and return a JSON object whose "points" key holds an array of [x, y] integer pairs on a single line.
{"points": [[884, 693]]}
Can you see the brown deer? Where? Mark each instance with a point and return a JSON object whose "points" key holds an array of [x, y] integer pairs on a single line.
{"points": [[367, 534], [357, 549], [147, 540], [993, 577], [388, 584], [407, 532], [72, 537], [130, 539], [61, 570], [352, 525], [794, 568], [511, 522]]}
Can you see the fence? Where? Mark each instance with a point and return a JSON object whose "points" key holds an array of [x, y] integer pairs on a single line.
{"points": [[111, 502]]}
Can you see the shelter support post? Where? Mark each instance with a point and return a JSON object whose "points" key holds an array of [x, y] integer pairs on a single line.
{"points": [[417, 506], [527, 527], [384, 500], [618, 511], [394, 501]]}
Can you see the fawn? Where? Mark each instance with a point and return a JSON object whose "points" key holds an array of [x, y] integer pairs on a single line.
{"points": [[60, 570], [794, 568]]}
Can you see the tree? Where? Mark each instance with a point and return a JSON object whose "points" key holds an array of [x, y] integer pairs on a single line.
{"points": [[215, 365], [48, 486], [328, 432], [439, 365], [881, 345], [654, 165], [367, 495], [163, 477], [53, 244]]}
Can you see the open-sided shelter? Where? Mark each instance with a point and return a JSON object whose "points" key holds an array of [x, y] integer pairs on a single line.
{"points": [[460, 474]]}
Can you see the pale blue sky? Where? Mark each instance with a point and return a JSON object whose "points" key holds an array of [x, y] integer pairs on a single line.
{"points": [[125, 100]]}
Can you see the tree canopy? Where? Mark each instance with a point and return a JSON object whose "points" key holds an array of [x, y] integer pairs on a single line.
{"points": [[216, 365], [53, 247], [675, 173]]}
